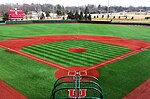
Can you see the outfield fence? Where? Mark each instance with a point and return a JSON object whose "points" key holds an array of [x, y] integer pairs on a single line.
{"points": [[41, 21], [73, 21]]}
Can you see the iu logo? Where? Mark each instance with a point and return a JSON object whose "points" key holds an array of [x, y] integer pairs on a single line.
{"points": [[77, 94]]}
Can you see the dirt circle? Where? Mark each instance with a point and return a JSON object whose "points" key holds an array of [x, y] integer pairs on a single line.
{"points": [[76, 71]]}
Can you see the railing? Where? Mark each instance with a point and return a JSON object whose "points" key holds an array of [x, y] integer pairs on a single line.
{"points": [[77, 90]]}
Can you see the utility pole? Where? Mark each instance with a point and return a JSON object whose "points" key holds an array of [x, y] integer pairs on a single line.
{"points": [[108, 10], [53, 8]]}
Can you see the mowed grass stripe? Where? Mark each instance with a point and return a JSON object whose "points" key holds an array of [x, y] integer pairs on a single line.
{"points": [[101, 48], [66, 56], [96, 52], [98, 46], [101, 53], [61, 51], [58, 57], [108, 50], [86, 42], [85, 55], [45, 56]]}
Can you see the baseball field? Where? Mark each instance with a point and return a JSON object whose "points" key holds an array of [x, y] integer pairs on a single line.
{"points": [[120, 54]]}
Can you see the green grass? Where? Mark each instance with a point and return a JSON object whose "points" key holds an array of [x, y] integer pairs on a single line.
{"points": [[121, 77], [133, 32], [58, 52], [35, 80], [31, 78]]}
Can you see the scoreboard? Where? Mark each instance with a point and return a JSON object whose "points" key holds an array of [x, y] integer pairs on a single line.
{"points": [[16, 14]]}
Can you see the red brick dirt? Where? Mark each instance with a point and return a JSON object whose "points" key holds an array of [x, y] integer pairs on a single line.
{"points": [[7, 92], [141, 92], [19, 43], [76, 71], [15, 45]]}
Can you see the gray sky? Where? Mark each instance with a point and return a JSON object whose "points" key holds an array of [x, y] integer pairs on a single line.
{"points": [[83, 2]]}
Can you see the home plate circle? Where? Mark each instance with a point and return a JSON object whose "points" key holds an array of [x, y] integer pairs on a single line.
{"points": [[76, 71]]}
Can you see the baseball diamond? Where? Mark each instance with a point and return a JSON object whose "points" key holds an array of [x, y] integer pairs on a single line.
{"points": [[35, 55]]}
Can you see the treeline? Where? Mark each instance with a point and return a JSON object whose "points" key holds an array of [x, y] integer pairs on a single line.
{"points": [[80, 15], [61, 10]]}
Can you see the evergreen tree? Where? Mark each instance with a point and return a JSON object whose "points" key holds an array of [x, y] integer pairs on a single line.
{"points": [[132, 17], [42, 16], [99, 7], [81, 16], [71, 16], [89, 17], [85, 17], [5, 16], [60, 10], [86, 11], [76, 15], [47, 14]]}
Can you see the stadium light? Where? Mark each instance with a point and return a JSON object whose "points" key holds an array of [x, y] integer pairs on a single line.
{"points": [[107, 10], [53, 9]]}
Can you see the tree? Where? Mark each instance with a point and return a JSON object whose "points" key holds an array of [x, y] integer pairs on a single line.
{"points": [[86, 11], [42, 16], [81, 16], [132, 17], [60, 10], [47, 14], [86, 17], [5, 16], [76, 15], [107, 16], [89, 17], [70, 15], [26, 17], [30, 16], [26, 12], [99, 7]]}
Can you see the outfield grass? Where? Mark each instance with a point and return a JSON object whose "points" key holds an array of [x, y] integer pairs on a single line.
{"points": [[133, 32], [35, 80]]}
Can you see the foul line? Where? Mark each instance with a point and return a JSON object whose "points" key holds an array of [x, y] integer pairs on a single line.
{"points": [[36, 58], [67, 69], [116, 59]]}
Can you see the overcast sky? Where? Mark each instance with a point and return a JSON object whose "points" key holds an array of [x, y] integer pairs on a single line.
{"points": [[83, 2]]}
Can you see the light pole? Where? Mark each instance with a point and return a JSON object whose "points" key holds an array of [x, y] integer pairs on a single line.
{"points": [[53, 8], [108, 10]]}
